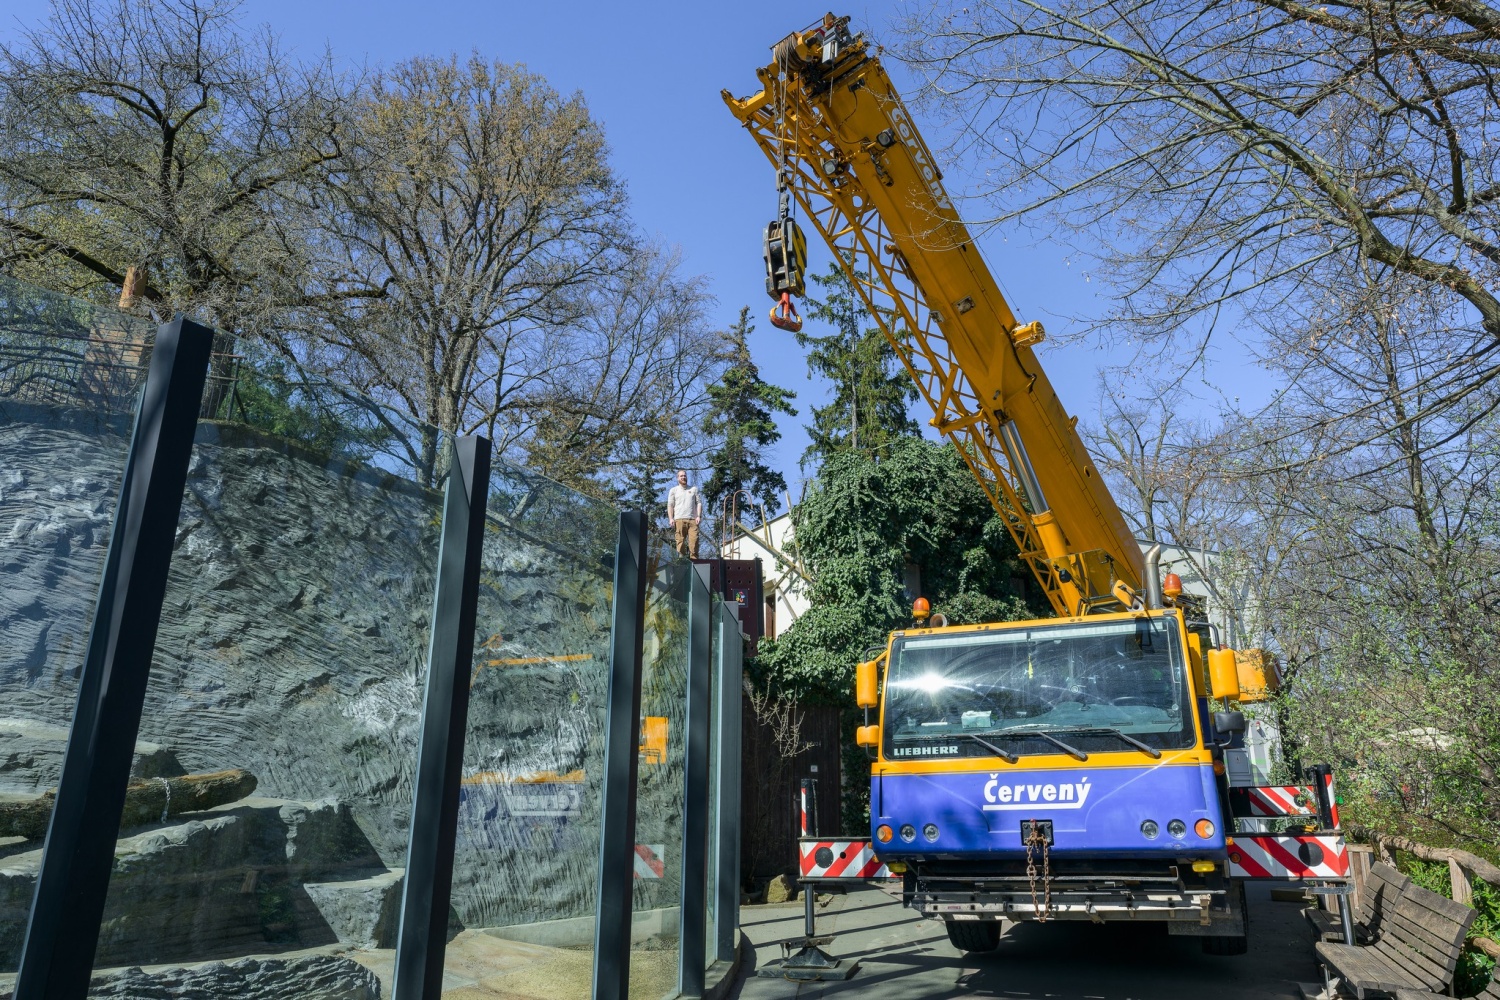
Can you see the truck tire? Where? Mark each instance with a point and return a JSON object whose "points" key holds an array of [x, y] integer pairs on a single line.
{"points": [[1234, 944], [1220, 945], [974, 935]]}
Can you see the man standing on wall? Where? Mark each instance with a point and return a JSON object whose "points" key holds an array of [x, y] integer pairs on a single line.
{"points": [[685, 511]]}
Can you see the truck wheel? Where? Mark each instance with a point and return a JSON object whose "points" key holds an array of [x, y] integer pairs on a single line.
{"points": [[1225, 945], [1236, 944], [974, 935]]}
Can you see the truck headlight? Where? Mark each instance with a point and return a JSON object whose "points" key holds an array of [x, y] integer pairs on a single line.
{"points": [[1177, 829], [1149, 829], [908, 832], [930, 831]]}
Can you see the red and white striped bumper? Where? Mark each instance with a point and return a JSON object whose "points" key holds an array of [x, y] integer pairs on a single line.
{"points": [[1273, 856], [831, 860]]}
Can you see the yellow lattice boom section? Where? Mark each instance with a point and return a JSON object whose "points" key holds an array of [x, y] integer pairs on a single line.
{"points": [[863, 176]]}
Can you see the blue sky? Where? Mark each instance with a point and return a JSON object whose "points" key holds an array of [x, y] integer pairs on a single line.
{"points": [[652, 73]]}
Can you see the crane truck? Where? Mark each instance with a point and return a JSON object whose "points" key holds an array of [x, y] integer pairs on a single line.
{"points": [[1072, 767]]}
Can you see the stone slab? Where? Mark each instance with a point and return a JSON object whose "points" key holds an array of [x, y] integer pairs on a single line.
{"points": [[297, 977], [363, 913], [223, 882]]}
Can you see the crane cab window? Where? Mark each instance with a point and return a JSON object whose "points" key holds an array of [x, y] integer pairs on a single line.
{"points": [[1085, 679]]}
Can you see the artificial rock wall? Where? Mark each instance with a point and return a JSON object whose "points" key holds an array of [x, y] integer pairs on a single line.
{"points": [[293, 644]]}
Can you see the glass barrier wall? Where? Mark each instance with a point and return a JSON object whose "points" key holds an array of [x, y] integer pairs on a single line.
{"points": [[266, 819], [268, 808], [70, 372], [526, 866], [658, 883]]}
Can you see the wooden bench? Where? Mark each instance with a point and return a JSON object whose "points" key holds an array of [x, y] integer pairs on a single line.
{"points": [[1383, 886], [1490, 992], [1417, 947]]}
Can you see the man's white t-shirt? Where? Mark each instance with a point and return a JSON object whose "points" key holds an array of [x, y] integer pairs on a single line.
{"points": [[684, 503]]}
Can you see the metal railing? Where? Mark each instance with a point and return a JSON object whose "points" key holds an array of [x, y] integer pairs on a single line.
{"points": [[101, 370]]}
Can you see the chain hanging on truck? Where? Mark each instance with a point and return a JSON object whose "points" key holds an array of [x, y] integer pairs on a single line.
{"points": [[785, 245], [1037, 839]]}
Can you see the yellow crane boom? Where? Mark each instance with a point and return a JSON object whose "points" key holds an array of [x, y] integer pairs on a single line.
{"points": [[845, 147]]}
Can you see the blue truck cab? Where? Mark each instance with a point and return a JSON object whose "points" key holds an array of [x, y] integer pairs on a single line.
{"points": [[1061, 769]]}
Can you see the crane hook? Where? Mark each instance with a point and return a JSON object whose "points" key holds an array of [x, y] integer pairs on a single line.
{"points": [[784, 315]]}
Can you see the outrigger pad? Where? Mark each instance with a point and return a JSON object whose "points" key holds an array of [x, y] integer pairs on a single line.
{"points": [[808, 964]]}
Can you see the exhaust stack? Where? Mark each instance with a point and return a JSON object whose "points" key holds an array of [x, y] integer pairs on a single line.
{"points": [[1153, 576]]}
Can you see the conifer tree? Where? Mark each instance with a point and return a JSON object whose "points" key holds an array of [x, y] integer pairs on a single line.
{"points": [[740, 417], [868, 412]]}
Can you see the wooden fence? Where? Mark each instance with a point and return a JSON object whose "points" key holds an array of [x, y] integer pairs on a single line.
{"points": [[769, 799]]}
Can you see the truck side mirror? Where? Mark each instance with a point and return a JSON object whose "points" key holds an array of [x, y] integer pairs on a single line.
{"points": [[867, 736], [1229, 723], [1223, 674], [865, 685]]}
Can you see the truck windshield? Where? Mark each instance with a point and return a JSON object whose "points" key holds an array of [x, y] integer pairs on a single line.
{"points": [[1089, 680]]}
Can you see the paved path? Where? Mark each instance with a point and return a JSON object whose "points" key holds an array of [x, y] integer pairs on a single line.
{"points": [[904, 958]]}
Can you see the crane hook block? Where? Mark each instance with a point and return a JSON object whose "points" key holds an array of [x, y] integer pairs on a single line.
{"points": [[786, 258], [784, 314]]}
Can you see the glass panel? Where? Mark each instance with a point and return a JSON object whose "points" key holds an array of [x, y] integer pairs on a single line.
{"points": [[710, 896], [69, 376], [526, 867], [271, 791], [654, 932]]}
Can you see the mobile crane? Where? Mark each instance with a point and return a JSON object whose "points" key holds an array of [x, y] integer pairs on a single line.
{"points": [[1063, 768]]}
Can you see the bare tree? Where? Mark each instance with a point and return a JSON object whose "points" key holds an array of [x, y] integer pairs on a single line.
{"points": [[1387, 612], [620, 399], [1178, 482], [517, 299], [1322, 179], [481, 202], [1133, 446], [1360, 513], [1239, 153], [158, 136], [1402, 470], [446, 237]]}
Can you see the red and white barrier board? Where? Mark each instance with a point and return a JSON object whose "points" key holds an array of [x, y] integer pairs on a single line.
{"points": [[650, 860], [1281, 800], [1276, 856], [841, 859], [1287, 800]]}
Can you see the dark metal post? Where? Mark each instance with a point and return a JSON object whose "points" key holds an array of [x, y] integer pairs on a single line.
{"points": [[691, 912], [612, 916], [428, 885], [809, 829], [79, 852], [1317, 776], [1346, 919], [759, 597], [726, 877]]}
